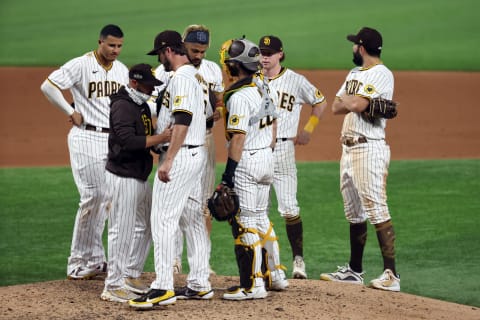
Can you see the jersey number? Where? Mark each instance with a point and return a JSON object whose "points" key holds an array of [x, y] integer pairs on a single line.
{"points": [[265, 122]]}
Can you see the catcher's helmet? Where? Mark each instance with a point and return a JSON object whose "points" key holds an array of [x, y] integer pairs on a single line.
{"points": [[245, 52]]}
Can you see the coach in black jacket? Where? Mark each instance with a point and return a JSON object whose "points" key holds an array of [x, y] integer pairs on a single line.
{"points": [[128, 166]]}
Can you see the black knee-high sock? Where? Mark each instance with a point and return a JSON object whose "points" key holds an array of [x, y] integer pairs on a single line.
{"points": [[358, 238], [294, 228], [386, 240]]}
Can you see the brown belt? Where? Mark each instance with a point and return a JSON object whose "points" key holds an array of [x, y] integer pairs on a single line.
{"points": [[89, 127], [350, 142]]}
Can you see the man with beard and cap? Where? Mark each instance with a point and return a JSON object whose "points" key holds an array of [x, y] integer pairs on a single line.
{"points": [[177, 180], [365, 160], [197, 41]]}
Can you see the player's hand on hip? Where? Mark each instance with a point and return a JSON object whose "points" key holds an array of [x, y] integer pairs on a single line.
{"points": [[303, 138], [76, 119]]}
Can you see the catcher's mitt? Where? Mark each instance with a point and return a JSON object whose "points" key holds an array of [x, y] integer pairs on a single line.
{"points": [[381, 108], [224, 203]]}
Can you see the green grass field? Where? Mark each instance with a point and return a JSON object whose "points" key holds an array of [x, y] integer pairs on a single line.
{"points": [[418, 35], [434, 205]]}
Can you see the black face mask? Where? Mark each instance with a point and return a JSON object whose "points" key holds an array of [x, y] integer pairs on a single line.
{"points": [[357, 59]]}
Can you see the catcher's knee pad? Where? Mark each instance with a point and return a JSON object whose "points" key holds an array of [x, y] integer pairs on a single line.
{"points": [[270, 244], [238, 229]]}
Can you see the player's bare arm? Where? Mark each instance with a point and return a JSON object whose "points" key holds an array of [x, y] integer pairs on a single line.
{"points": [[163, 137], [304, 135], [274, 134], [235, 147], [345, 103], [218, 112]]}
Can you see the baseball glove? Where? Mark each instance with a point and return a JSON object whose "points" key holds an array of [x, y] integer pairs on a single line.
{"points": [[224, 203], [381, 108]]}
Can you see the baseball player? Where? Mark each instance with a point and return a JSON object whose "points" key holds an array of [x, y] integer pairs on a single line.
{"points": [[249, 126], [293, 91], [177, 181], [91, 79], [365, 160], [128, 167], [197, 41]]}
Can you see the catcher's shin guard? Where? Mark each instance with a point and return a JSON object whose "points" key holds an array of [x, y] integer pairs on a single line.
{"points": [[248, 253], [245, 259]]}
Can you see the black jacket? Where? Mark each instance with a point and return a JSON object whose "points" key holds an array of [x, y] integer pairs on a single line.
{"points": [[129, 126]]}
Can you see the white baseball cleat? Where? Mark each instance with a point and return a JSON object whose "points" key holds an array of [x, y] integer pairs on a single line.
{"points": [[279, 280], [118, 295], [299, 268], [239, 293], [387, 281], [344, 274]]}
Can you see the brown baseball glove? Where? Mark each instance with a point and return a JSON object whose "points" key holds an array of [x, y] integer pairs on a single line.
{"points": [[224, 203], [381, 108]]}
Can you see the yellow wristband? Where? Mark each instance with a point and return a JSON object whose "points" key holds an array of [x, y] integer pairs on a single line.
{"points": [[311, 124], [220, 109]]}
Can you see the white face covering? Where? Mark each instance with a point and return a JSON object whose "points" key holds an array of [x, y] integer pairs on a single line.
{"points": [[137, 96]]}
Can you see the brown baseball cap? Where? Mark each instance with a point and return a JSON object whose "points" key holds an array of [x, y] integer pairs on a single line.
{"points": [[270, 44], [370, 38], [143, 73], [167, 38]]}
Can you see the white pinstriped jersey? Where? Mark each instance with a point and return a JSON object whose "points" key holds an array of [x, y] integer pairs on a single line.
{"points": [[210, 72], [293, 91], [376, 81], [243, 105], [185, 93], [91, 84]]}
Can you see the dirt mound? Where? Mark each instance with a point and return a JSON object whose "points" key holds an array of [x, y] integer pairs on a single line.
{"points": [[305, 299]]}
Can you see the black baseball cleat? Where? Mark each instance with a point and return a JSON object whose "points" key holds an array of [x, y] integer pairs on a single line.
{"points": [[185, 293], [154, 297]]}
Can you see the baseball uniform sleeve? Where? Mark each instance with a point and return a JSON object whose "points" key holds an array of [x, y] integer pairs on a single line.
{"points": [[67, 75], [238, 115], [309, 93]]}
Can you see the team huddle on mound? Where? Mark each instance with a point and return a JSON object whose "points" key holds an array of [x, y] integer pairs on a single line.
{"points": [[171, 111]]}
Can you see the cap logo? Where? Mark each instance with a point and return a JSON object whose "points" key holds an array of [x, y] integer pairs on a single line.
{"points": [[197, 36], [138, 76], [266, 41]]}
